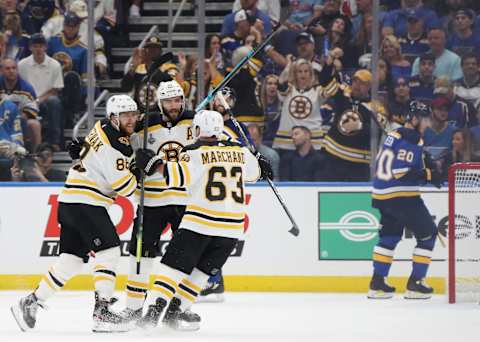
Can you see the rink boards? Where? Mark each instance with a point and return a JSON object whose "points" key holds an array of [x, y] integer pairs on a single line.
{"points": [[338, 229]]}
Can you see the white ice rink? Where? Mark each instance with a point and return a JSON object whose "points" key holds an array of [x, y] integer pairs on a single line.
{"points": [[266, 317]]}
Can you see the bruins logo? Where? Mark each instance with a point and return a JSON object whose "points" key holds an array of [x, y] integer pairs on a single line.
{"points": [[124, 140], [300, 107], [142, 96], [65, 60], [170, 151], [350, 123]]}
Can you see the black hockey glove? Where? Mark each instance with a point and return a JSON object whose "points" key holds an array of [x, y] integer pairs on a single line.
{"points": [[147, 160], [136, 171], [75, 147], [265, 167], [434, 177]]}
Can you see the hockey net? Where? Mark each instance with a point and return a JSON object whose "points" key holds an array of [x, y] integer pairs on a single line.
{"points": [[464, 225]]}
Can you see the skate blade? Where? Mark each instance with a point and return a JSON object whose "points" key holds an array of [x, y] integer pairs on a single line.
{"points": [[18, 315], [375, 294], [103, 327], [184, 326], [211, 298], [417, 295]]}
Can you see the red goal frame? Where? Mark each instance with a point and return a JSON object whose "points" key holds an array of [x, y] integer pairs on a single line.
{"points": [[451, 224]]}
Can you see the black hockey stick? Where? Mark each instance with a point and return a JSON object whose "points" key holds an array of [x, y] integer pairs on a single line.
{"points": [[295, 231], [151, 71], [237, 68]]}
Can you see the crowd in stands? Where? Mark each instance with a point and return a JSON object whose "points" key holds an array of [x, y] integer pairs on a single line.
{"points": [[429, 51]]}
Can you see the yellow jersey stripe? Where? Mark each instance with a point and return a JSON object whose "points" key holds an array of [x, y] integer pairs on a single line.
{"points": [[343, 156], [421, 259], [186, 295], [88, 193], [396, 194], [191, 285], [186, 172], [215, 213], [161, 183], [73, 181], [121, 181], [129, 189], [162, 194], [346, 148], [101, 133], [167, 280], [138, 284], [382, 258], [211, 224], [174, 175]]}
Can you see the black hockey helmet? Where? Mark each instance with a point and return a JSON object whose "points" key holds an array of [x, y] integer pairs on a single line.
{"points": [[229, 95], [418, 109]]}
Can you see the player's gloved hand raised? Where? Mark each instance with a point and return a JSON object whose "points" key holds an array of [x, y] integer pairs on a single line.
{"points": [[265, 167], [434, 177], [75, 147], [147, 160]]}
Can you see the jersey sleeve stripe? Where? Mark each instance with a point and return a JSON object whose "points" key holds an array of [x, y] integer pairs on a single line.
{"points": [[216, 219], [130, 189], [127, 183], [186, 171], [175, 176], [215, 212], [210, 224], [180, 173], [87, 193], [117, 184]]}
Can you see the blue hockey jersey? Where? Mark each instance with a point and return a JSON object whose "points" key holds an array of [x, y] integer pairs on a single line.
{"points": [[71, 55], [10, 126], [231, 132], [399, 166]]}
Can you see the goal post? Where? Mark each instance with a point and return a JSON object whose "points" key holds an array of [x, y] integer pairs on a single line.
{"points": [[464, 232]]}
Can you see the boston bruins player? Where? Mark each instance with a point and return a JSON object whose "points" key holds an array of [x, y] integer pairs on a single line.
{"points": [[214, 172], [102, 173], [400, 169], [168, 132]]}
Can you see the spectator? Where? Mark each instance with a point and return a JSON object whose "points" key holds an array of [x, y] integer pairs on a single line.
{"points": [[36, 13], [304, 164], [271, 106], [422, 85], [11, 137], [301, 99], [67, 49], [338, 36], [300, 11], [462, 151], [447, 63], [390, 51], [460, 112], [269, 7], [363, 40], [323, 18], [415, 42], [135, 8], [258, 18], [17, 41], [45, 75], [396, 21], [440, 133], [3, 45], [38, 168], [468, 88], [399, 104], [268, 152], [20, 92], [134, 77], [450, 12], [463, 39], [213, 50], [364, 8]]}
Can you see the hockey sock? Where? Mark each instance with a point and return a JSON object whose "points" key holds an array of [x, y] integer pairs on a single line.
{"points": [[189, 289], [422, 255], [138, 284], [166, 282], [215, 279], [65, 268], [383, 254], [104, 275]]}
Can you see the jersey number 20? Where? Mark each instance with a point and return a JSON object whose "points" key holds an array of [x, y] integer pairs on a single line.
{"points": [[385, 161]]}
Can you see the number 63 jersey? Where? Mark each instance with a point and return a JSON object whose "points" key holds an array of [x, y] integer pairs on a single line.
{"points": [[214, 174], [399, 166]]}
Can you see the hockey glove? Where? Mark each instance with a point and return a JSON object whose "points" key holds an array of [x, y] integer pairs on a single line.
{"points": [[75, 147], [265, 167], [147, 160], [136, 171], [434, 177]]}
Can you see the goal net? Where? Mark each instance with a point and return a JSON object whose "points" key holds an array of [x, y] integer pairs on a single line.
{"points": [[464, 232]]}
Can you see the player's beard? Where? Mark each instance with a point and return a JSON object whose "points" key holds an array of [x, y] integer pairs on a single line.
{"points": [[176, 115]]}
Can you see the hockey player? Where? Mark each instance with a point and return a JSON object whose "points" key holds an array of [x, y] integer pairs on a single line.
{"points": [[168, 132], [102, 173], [401, 168], [214, 172]]}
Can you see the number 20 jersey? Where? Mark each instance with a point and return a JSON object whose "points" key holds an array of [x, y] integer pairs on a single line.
{"points": [[214, 174], [400, 155], [166, 140]]}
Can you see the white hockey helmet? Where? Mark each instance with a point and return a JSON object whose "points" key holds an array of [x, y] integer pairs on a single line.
{"points": [[120, 104], [167, 90], [209, 123]]}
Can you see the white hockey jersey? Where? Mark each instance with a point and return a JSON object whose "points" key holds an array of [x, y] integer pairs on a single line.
{"points": [[166, 140], [300, 108], [214, 175], [103, 170]]}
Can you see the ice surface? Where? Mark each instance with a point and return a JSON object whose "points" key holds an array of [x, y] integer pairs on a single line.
{"points": [[265, 317]]}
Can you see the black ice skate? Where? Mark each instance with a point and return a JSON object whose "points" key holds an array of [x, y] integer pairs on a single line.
{"points": [[105, 320], [25, 312], [379, 289], [418, 289], [178, 320], [213, 293], [130, 315], [151, 318]]}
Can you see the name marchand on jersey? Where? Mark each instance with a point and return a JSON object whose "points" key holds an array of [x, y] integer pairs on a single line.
{"points": [[167, 140], [103, 170], [214, 175]]}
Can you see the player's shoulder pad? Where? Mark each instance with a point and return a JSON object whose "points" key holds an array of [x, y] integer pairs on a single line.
{"points": [[188, 115], [117, 140], [410, 135]]}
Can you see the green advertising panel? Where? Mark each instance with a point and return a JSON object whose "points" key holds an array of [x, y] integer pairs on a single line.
{"points": [[348, 226]]}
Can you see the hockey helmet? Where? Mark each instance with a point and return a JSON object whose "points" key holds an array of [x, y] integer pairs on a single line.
{"points": [[418, 109], [118, 104], [168, 90], [209, 123], [229, 95]]}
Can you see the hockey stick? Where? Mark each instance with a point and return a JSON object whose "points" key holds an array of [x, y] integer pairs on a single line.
{"points": [[237, 67], [295, 231], [148, 77]]}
